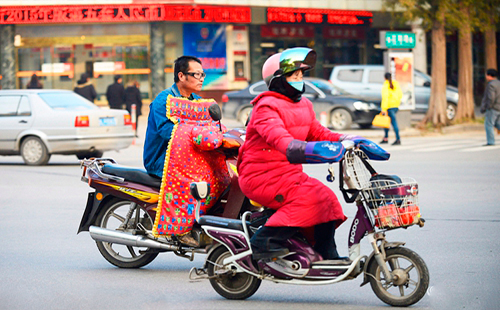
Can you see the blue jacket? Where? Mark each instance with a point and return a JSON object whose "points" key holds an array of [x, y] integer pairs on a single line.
{"points": [[159, 131]]}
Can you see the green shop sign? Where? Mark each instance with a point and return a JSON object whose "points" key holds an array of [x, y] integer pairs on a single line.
{"points": [[397, 39]]}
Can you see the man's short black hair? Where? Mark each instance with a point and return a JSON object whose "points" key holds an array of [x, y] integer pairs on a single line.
{"points": [[492, 72], [181, 64], [117, 77]]}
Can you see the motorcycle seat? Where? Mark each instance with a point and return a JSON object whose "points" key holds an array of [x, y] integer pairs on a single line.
{"points": [[136, 175], [218, 221]]}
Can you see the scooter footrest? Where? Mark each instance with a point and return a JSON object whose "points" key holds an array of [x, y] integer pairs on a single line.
{"points": [[336, 262]]}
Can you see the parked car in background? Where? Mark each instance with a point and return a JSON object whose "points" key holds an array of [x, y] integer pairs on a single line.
{"points": [[38, 123], [341, 108], [366, 81]]}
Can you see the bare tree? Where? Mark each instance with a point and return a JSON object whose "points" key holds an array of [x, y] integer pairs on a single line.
{"points": [[433, 15]]}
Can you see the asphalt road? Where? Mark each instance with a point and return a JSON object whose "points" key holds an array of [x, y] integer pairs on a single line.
{"points": [[45, 265]]}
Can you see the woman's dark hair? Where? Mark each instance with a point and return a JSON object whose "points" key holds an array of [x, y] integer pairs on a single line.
{"points": [[388, 77], [34, 83], [181, 64]]}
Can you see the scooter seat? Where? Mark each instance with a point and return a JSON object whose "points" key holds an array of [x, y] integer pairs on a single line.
{"points": [[130, 174], [222, 222]]}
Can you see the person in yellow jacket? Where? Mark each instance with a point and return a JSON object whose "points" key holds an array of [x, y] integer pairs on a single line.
{"points": [[391, 99]]}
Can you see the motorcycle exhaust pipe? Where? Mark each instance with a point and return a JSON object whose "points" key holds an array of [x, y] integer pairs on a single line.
{"points": [[118, 237]]}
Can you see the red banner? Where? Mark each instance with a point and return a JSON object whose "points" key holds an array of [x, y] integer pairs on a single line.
{"points": [[318, 16], [290, 31], [123, 13]]}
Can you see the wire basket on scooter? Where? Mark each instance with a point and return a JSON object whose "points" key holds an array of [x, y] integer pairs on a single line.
{"points": [[393, 204]]}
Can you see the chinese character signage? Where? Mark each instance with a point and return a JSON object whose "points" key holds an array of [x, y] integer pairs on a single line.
{"points": [[123, 13], [319, 16], [208, 43], [397, 39], [345, 33], [289, 31]]}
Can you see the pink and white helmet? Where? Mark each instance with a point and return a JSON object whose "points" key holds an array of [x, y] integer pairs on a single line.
{"points": [[288, 61]]}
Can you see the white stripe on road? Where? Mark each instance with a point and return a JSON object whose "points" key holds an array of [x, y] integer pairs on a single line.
{"points": [[481, 148]]}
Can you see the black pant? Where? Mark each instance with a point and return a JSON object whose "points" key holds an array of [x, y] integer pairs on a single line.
{"points": [[273, 238]]}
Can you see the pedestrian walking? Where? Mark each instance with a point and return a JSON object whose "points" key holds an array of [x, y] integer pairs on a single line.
{"points": [[116, 93], [133, 96], [391, 99], [85, 88], [34, 83], [490, 106]]}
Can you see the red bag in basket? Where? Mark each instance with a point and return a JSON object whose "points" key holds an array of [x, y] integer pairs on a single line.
{"points": [[388, 216], [409, 215]]}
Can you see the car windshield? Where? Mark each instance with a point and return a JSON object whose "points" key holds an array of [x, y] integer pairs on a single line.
{"points": [[66, 101], [328, 87]]}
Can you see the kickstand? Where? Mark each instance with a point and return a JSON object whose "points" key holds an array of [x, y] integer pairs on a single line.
{"points": [[196, 274]]}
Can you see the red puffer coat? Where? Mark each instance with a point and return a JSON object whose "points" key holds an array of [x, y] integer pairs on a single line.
{"points": [[265, 174]]}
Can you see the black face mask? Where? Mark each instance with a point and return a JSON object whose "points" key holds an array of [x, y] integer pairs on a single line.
{"points": [[280, 85]]}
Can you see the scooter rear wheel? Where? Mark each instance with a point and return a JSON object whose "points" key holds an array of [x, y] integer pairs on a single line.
{"points": [[112, 216], [412, 278], [229, 283]]}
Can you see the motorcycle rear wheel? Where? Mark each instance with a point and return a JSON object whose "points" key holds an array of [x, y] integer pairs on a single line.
{"points": [[230, 284], [112, 216], [412, 282]]}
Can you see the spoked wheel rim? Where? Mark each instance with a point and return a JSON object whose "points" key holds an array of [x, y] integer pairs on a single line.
{"points": [[32, 151], [340, 119], [114, 219], [231, 281], [450, 111], [407, 277]]}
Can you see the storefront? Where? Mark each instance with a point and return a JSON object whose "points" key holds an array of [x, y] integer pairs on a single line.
{"points": [[59, 43], [338, 36]]}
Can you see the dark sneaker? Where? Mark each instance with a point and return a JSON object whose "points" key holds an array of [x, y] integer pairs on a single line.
{"points": [[397, 142], [488, 144], [385, 141]]}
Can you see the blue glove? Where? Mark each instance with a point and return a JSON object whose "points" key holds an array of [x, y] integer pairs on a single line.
{"points": [[300, 152], [370, 148]]}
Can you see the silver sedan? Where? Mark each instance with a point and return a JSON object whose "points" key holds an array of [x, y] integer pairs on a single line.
{"points": [[38, 123]]}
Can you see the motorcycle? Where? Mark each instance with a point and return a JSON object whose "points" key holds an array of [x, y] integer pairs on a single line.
{"points": [[397, 275], [120, 211]]}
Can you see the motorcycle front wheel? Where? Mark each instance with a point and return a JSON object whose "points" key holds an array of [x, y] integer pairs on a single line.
{"points": [[229, 283], [411, 278], [113, 216]]}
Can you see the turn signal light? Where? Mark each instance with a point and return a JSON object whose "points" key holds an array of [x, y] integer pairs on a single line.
{"points": [[82, 121], [127, 120], [225, 98]]}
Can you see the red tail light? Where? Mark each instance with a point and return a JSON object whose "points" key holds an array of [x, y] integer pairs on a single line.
{"points": [[225, 98], [82, 121], [127, 120]]}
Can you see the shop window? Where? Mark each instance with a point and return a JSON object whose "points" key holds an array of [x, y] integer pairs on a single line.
{"points": [[354, 75], [376, 76]]}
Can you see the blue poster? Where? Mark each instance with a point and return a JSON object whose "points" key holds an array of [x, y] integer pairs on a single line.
{"points": [[208, 43]]}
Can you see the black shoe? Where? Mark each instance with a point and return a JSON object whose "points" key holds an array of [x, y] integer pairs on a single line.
{"points": [[397, 142], [488, 144], [384, 141], [270, 254]]}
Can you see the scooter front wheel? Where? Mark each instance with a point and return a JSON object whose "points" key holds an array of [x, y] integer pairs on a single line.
{"points": [[113, 215], [411, 278], [229, 283]]}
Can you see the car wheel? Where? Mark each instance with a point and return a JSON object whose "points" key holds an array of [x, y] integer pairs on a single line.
{"points": [[243, 115], [451, 110], [84, 155], [34, 152], [340, 119]]}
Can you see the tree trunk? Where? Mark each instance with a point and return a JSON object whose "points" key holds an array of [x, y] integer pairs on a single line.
{"points": [[465, 109], [436, 114], [490, 46]]}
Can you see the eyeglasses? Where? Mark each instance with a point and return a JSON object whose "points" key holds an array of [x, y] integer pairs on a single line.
{"points": [[197, 75]]}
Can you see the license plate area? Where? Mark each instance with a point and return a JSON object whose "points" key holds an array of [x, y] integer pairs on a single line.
{"points": [[107, 121]]}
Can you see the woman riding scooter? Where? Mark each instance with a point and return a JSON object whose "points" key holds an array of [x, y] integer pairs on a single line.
{"points": [[270, 170]]}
